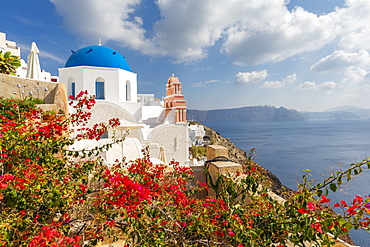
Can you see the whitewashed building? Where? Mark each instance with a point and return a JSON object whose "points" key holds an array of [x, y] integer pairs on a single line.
{"points": [[196, 134], [7, 45], [159, 125]]}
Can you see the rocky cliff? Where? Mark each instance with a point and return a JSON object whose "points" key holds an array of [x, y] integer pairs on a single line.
{"points": [[239, 156]]}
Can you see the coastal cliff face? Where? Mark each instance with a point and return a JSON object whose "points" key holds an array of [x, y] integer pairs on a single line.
{"points": [[239, 156]]}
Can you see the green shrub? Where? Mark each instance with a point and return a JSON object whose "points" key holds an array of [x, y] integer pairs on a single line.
{"points": [[198, 152], [10, 108]]}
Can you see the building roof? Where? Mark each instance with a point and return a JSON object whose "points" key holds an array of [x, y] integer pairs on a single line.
{"points": [[97, 56]]}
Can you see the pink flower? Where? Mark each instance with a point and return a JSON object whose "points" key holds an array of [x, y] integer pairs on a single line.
{"points": [[311, 206]]}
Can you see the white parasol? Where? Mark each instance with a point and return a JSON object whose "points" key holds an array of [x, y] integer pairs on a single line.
{"points": [[34, 69], [162, 155]]}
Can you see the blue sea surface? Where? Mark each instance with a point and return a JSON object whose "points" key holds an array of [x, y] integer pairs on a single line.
{"points": [[288, 148]]}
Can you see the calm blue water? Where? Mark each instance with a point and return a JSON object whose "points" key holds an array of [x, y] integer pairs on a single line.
{"points": [[287, 148]]}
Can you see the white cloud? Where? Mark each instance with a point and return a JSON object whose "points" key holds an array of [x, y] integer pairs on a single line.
{"points": [[243, 78], [280, 84], [108, 20], [278, 36], [290, 79], [312, 86], [207, 83], [273, 84], [354, 21], [250, 32], [51, 57], [29, 22], [340, 61], [42, 54], [352, 77]]}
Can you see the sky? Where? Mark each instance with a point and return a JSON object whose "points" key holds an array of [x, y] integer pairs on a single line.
{"points": [[308, 55]]}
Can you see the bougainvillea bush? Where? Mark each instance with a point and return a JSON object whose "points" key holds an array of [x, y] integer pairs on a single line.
{"points": [[53, 196]]}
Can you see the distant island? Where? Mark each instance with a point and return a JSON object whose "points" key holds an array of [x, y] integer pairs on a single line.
{"points": [[272, 113]]}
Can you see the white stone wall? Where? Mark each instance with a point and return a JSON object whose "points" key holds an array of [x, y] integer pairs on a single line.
{"points": [[130, 149], [151, 113], [174, 139], [171, 117], [115, 81], [7, 45], [103, 111]]}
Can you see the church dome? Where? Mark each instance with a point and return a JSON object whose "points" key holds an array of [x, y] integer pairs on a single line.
{"points": [[98, 56]]}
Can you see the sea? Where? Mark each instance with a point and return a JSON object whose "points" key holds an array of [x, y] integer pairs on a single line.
{"points": [[288, 148]]}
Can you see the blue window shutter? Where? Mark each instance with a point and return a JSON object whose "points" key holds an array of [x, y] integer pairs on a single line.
{"points": [[73, 85], [99, 88]]}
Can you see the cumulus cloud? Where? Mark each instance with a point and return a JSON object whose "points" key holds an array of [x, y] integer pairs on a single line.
{"points": [[352, 77], [308, 85], [280, 84], [108, 20], [279, 36], [249, 32], [244, 78], [341, 61], [354, 19]]}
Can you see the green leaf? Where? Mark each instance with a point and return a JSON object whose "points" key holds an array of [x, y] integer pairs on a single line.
{"points": [[319, 192], [333, 187]]}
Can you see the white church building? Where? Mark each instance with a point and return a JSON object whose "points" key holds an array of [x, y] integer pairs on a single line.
{"points": [[159, 125]]}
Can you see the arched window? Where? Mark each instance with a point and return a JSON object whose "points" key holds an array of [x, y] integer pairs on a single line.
{"points": [[99, 88], [72, 86], [106, 133], [128, 90]]}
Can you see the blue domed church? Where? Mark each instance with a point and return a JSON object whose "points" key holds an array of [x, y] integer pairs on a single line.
{"points": [[159, 125], [108, 69]]}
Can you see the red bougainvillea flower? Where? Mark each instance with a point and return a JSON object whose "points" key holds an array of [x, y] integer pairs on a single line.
{"points": [[351, 210], [324, 199], [231, 233], [311, 206], [303, 211], [317, 227], [357, 200]]}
